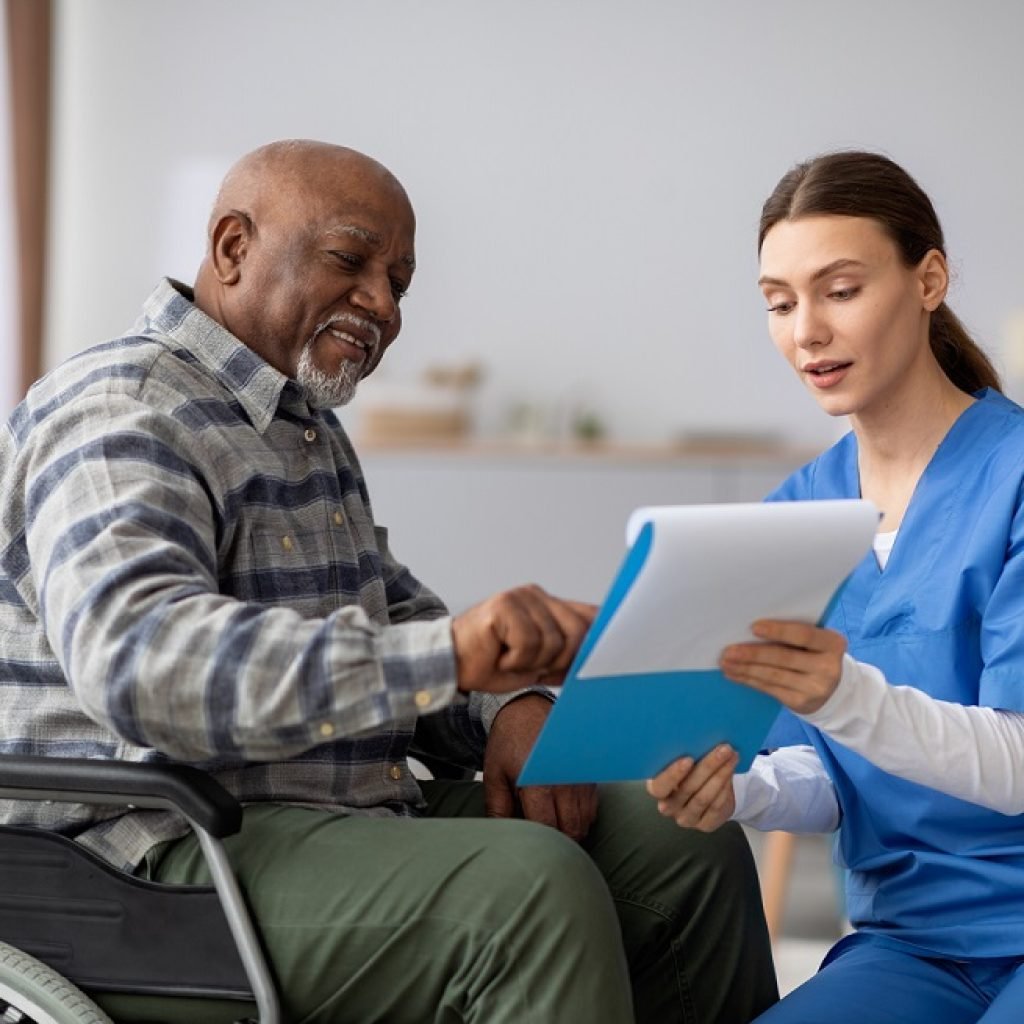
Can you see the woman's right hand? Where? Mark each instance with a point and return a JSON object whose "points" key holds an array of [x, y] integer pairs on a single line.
{"points": [[697, 795]]}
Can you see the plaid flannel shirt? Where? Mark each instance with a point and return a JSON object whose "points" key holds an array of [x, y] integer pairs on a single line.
{"points": [[189, 570]]}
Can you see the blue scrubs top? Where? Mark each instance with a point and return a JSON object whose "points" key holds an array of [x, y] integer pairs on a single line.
{"points": [[928, 871]]}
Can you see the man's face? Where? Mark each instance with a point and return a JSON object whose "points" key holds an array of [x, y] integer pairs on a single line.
{"points": [[324, 271]]}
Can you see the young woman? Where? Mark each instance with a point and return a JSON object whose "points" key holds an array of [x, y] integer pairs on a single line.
{"points": [[905, 728]]}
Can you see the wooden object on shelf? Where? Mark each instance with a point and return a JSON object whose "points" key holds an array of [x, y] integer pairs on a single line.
{"points": [[397, 426], [433, 410]]}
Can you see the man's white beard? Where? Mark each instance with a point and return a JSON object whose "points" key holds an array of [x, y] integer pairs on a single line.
{"points": [[324, 391]]}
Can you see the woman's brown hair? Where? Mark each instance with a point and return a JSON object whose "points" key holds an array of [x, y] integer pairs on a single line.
{"points": [[857, 184]]}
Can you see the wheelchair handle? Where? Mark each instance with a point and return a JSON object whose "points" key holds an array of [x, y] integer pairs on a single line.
{"points": [[93, 781]]}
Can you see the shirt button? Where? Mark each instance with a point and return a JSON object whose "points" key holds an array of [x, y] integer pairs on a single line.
{"points": [[422, 698], [396, 772], [326, 730], [287, 543], [310, 434], [339, 519]]}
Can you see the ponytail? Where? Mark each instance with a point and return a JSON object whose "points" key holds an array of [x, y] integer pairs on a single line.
{"points": [[960, 357]]}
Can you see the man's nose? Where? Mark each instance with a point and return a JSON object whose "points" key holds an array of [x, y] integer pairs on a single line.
{"points": [[373, 295], [810, 328]]}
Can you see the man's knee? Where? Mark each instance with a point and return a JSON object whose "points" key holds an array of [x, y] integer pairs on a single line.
{"points": [[554, 929], [542, 870]]}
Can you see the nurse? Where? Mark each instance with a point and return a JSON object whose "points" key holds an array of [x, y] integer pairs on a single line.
{"points": [[904, 728]]}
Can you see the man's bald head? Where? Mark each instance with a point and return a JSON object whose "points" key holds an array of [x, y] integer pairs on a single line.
{"points": [[293, 170], [310, 251]]}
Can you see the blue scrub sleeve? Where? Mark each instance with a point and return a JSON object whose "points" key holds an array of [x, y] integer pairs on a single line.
{"points": [[1002, 626]]}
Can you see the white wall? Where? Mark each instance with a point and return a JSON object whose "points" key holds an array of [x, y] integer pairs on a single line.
{"points": [[588, 173]]}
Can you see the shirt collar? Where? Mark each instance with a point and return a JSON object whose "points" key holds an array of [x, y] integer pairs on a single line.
{"points": [[259, 388]]}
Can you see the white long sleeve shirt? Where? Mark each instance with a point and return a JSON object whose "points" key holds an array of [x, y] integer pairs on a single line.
{"points": [[972, 753]]}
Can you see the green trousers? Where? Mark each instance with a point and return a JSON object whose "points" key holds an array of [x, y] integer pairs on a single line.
{"points": [[456, 918]]}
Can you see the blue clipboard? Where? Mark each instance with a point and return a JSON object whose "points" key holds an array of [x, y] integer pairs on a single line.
{"points": [[622, 727]]}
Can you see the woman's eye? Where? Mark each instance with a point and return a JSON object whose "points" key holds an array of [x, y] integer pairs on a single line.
{"points": [[781, 307], [843, 294]]}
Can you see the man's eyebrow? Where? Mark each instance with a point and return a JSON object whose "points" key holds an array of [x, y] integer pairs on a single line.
{"points": [[353, 230], [368, 236], [825, 271]]}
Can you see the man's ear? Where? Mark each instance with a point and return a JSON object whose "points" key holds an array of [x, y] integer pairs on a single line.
{"points": [[933, 276], [229, 245]]}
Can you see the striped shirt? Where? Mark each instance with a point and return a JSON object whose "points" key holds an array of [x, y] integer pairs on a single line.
{"points": [[190, 571]]}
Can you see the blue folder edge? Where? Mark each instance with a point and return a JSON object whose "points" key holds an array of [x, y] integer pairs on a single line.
{"points": [[617, 728]]}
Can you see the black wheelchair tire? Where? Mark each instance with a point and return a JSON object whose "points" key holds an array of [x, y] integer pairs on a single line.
{"points": [[40, 994]]}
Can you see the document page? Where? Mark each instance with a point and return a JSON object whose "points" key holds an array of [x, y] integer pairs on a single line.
{"points": [[711, 570]]}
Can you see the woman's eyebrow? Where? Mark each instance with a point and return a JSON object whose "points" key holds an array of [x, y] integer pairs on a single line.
{"points": [[829, 268]]}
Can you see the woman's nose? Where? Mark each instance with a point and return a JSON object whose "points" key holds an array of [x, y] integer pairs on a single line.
{"points": [[810, 327]]}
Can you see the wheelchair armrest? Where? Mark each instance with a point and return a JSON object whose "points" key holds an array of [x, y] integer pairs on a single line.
{"points": [[85, 780]]}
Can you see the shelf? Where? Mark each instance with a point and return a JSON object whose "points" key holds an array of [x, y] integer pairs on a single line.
{"points": [[703, 452]]}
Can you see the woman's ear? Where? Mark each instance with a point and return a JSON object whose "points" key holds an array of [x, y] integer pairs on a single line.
{"points": [[229, 245], [933, 277]]}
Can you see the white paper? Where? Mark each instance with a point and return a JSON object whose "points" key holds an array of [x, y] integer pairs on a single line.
{"points": [[715, 569]]}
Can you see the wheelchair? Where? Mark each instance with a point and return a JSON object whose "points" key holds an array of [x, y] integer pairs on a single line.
{"points": [[71, 924]]}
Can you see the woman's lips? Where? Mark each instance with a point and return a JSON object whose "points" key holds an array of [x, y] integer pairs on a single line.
{"points": [[827, 375]]}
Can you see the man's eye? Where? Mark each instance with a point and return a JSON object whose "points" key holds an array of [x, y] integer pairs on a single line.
{"points": [[348, 258], [399, 289]]}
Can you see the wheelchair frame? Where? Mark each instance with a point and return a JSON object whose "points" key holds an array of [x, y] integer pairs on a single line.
{"points": [[107, 904]]}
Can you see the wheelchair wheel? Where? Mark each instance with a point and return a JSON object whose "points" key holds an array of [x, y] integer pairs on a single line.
{"points": [[32, 993]]}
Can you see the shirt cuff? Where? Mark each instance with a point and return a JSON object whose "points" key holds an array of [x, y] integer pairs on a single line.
{"points": [[492, 703]]}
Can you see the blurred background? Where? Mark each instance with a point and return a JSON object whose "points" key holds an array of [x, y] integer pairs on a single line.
{"points": [[584, 334]]}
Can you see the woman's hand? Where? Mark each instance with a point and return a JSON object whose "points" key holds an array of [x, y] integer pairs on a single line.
{"points": [[697, 795], [798, 664]]}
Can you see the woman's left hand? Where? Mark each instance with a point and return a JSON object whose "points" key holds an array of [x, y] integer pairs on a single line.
{"points": [[797, 664]]}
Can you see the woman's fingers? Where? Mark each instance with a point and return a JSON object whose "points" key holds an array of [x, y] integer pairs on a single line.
{"points": [[665, 782], [702, 796], [798, 664]]}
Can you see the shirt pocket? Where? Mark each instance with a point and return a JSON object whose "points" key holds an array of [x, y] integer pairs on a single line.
{"points": [[287, 564]]}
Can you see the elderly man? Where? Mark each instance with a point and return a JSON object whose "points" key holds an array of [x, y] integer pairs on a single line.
{"points": [[191, 571]]}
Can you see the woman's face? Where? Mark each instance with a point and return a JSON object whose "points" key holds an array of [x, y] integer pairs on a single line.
{"points": [[846, 312]]}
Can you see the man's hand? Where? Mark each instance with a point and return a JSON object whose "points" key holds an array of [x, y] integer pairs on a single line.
{"points": [[571, 809], [697, 795], [518, 638]]}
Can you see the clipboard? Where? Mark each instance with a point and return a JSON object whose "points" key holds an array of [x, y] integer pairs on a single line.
{"points": [[644, 688]]}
